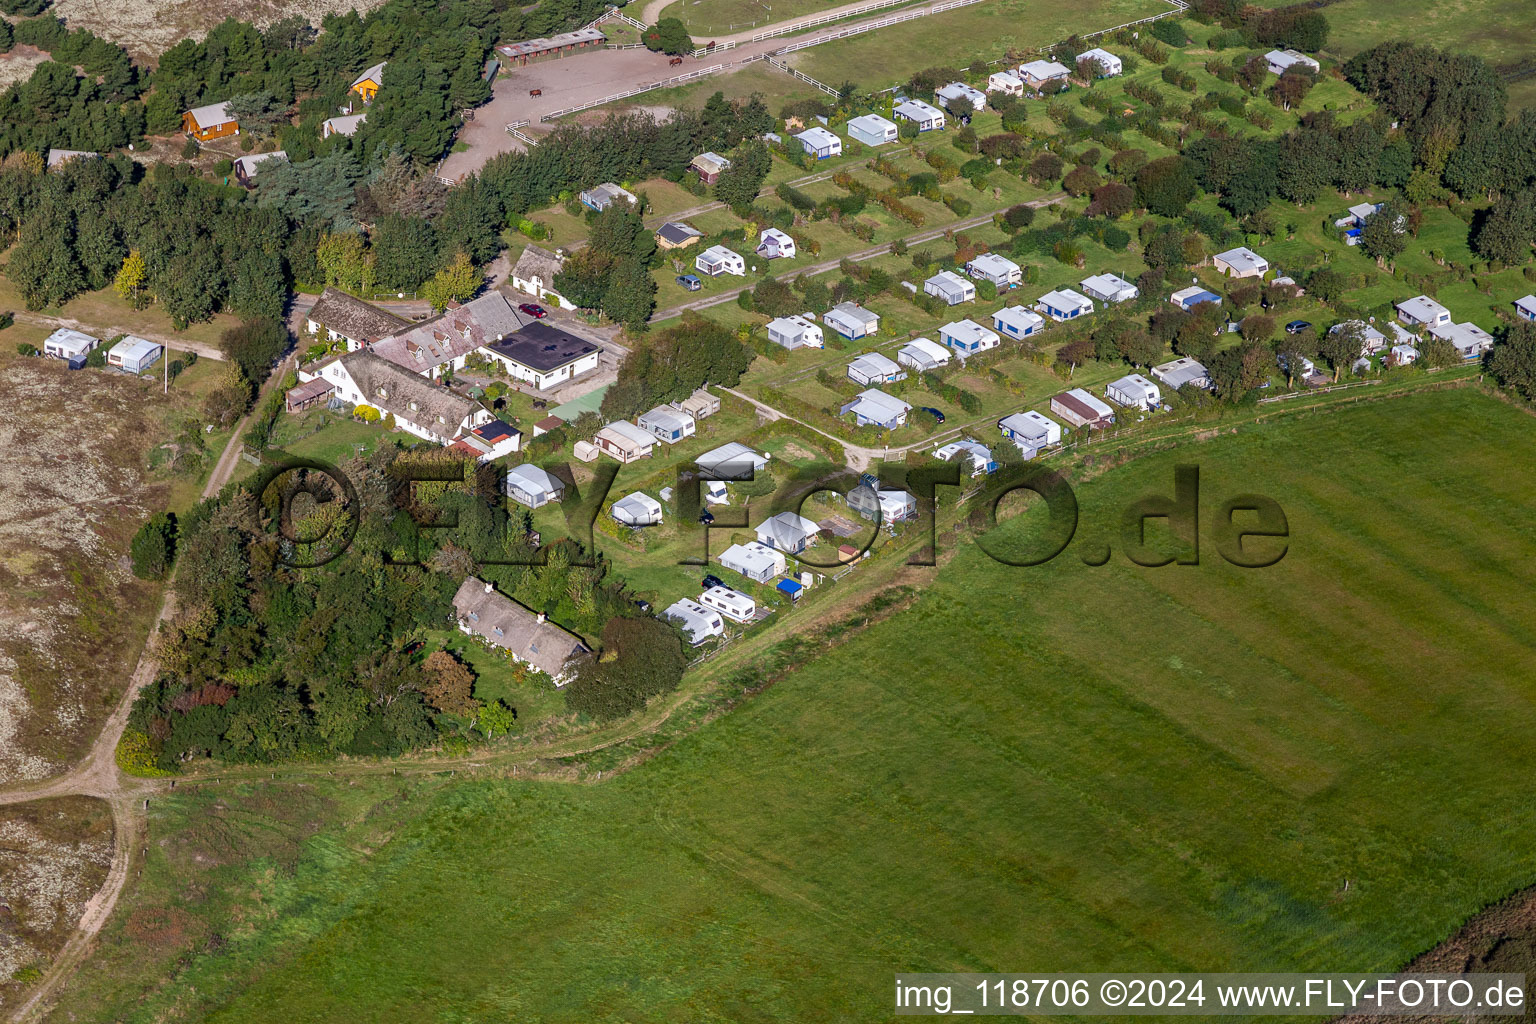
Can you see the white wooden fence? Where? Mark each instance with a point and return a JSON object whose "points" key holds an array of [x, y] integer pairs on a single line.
{"points": [[514, 130], [895, 19], [797, 26], [807, 79]]}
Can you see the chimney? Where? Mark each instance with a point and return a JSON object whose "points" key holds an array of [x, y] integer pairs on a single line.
{"points": [[542, 617]]}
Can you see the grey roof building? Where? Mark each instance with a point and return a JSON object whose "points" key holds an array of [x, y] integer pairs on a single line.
{"points": [[528, 636], [342, 316]]}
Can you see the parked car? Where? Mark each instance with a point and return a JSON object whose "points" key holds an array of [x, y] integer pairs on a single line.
{"points": [[706, 517], [690, 281], [534, 310], [711, 580], [1297, 326], [938, 417]]}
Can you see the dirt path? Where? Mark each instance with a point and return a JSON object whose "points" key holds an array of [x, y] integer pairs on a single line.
{"points": [[97, 775], [203, 350], [859, 257]]}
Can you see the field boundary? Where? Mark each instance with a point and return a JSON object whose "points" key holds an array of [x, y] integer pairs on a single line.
{"points": [[690, 76], [807, 79]]}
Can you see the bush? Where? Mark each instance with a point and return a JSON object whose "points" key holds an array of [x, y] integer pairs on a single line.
{"points": [[136, 755], [153, 547], [26, 349], [1169, 31], [1019, 217]]}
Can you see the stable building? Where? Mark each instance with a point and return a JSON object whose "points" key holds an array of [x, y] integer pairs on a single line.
{"points": [[343, 124], [709, 166], [605, 195], [443, 343], [676, 235], [247, 166], [959, 98], [875, 408], [367, 84]]}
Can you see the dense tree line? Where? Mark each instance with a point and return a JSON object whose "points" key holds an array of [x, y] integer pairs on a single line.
{"points": [[265, 662], [671, 364]]}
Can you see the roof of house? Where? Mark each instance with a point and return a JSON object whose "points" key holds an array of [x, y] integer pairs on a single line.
{"points": [[1464, 337], [436, 408], [1286, 58], [1098, 54], [719, 254], [874, 404], [817, 136], [991, 262], [967, 330], [667, 416], [1065, 298], [787, 527], [794, 325], [959, 90], [871, 124], [1106, 284], [1422, 307], [610, 191], [849, 311], [310, 389], [1040, 70], [1005, 77], [212, 115], [775, 235], [1018, 315], [629, 432], [1194, 295], [353, 318], [1527, 303], [455, 332], [1030, 423], [486, 612], [710, 161], [1135, 383], [247, 165], [700, 622], [918, 110], [1179, 372], [873, 364], [1364, 210], [925, 349], [1085, 404], [537, 262], [677, 233], [978, 453], [731, 460], [750, 559], [531, 478], [550, 423], [58, 157], [133, 348], [1243, 258], [374, 74], [638, 508], [345, 124], [949, 280]]}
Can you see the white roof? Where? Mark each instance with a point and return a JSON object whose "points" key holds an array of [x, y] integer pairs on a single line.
{"points": [[1098, 54], [1527, 303], [718, 254], [667, 416], [791, 325], [978, 453], [1065, 298], [959, 90], [133, 348], [750, 559], [1135, 384], [731, 456], [1043, 69], [700, 622], [1190, 292], [1106, 284], [818, 136], [1030, 423], [345, 124], [950, 278], [1007, 78], [637, 509], [1422, 307], [992, 263], [851, 312], [776, 235], [918, 110], [739, 602], [872, 124], [791, 521], [925, 350], [629, 431], [1019, 317], [1364, 210], [873, 364], [1464, 337], [1243, 258], [531, 478], [211, 115], [69, 338], [1286, 58], [1091, 401], [247, 164], [874, 404], [374, 74], [1179, 372], [968, 331]]}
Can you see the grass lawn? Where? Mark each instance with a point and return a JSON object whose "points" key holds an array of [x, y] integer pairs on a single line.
{"points": [[1497, 30], [104, 314], [890, 56], [1068, 767]]}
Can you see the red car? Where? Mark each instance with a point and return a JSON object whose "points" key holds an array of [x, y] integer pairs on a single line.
{"points": [[533, 310]]}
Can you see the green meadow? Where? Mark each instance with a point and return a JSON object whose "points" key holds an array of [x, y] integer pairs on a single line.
{"points": [[1314, 766]]}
